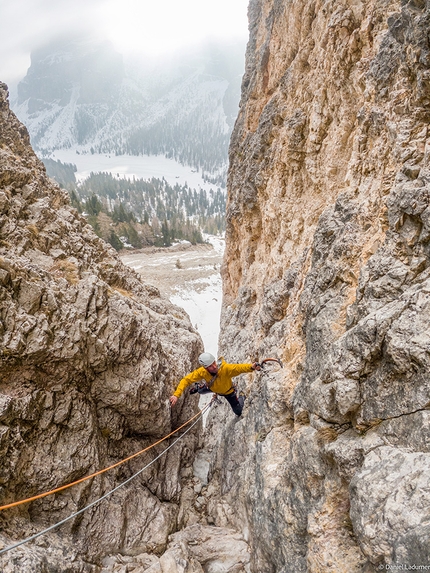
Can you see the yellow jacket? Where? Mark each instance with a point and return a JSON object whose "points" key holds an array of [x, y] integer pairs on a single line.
{"points": [[223, 382]]}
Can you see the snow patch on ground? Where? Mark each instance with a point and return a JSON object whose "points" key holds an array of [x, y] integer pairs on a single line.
{"points": [[203, 308], [190, 278], [129, 166]]}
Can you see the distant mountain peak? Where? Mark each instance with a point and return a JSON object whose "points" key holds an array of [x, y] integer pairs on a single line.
{"points": [[81, 94]]}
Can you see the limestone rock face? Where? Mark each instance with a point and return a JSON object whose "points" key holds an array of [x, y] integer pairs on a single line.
{"points": [[89, 356], [194, 549], [327, 268]]}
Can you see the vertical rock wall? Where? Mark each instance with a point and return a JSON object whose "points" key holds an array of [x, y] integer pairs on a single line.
{"points": [[88, 358], [327, 267]]}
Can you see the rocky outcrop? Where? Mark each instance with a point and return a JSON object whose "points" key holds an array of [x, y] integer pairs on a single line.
{"points": [[327, 267], [89, 356], [200, 549]]}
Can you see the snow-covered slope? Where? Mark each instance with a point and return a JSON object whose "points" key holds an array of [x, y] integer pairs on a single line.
{"points": [[83, 96]]}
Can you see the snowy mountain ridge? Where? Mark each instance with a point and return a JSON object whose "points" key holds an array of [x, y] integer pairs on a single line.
{"points": [[83, 96]]}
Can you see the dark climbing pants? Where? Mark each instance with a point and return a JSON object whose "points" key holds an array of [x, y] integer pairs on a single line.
{"points": [[232, 399]]}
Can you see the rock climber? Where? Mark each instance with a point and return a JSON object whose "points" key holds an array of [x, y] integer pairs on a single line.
{"points": [[217, 377]]}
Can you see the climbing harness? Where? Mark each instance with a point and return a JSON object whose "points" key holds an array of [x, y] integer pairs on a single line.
{"points": [[35, 536]]}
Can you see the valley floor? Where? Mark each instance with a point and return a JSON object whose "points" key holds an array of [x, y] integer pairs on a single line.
{"points": [[129, 166], [189, 275]]}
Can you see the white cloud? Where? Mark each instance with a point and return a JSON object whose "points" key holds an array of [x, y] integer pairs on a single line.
{"points": [[150, 26], [156, 27]]}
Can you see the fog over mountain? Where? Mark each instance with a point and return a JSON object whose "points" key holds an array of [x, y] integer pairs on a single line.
{"points": [[84, 95]]}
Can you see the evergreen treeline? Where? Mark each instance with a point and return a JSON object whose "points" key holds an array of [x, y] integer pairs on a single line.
{"points": [[63, 173], [190, 141], [143, 212], [201, 145], [183, 106]]}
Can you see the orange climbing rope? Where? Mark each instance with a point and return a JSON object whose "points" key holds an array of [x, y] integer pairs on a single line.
{"points": [[63, 487]]}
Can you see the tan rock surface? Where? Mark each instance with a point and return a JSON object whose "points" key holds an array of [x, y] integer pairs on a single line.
{"points": [[326, 267], [89, 356]]}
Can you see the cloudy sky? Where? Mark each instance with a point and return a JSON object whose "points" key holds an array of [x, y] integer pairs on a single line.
{"points": [[149, 26]]}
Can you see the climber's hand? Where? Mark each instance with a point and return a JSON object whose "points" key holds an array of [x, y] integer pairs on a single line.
{"points": [[173, 400], [256, 366]]}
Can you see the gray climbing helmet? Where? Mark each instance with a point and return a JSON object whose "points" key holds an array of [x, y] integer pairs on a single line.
{"points": [[206, 359]]}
